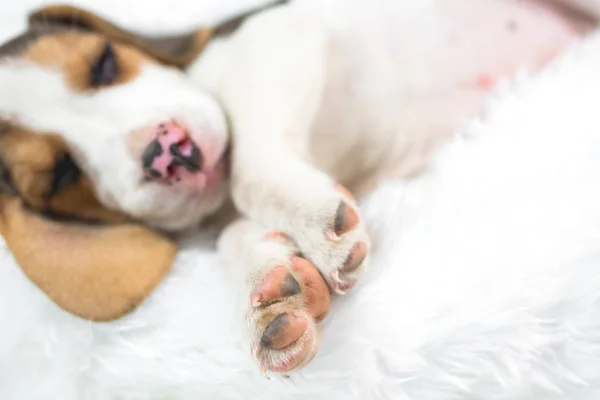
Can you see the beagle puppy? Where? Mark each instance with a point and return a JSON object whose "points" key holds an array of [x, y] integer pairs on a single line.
{"points": [[112, 141]]}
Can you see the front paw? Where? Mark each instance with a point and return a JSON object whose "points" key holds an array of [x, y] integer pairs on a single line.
{"points": [[337, 243], [288, 298]]}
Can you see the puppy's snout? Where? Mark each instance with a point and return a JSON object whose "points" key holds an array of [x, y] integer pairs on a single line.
{"points": [[172, 154]]}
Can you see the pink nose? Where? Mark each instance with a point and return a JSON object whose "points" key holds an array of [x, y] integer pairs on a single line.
{"points": [[172, 154]]}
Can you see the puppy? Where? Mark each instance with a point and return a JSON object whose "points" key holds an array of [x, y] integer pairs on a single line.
{"points": [[111, 141]]}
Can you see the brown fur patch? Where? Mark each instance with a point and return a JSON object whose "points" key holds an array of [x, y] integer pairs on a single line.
{"points": [[176, 50], [74, 52], [30, 159], [98, 273]]}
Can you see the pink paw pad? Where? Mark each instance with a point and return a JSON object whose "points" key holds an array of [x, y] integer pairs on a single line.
{"points": [[286, 303]]}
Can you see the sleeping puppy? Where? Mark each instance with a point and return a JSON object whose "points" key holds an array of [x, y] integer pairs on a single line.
{"points": [[111, 141]]}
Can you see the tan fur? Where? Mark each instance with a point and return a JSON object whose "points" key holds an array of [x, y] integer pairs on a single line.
{"points": [[30, 158], [98, 273], [74, 53], [177, 50]]}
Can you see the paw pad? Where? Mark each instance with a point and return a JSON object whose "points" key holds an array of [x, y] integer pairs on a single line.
{"points": [[356, 257], [346, 219], [316, 292], [284, 330], [285, 306], [277, 284]]}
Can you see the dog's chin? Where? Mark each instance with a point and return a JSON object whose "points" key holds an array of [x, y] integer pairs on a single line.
{"points": [[186, 204], [189, 213]]}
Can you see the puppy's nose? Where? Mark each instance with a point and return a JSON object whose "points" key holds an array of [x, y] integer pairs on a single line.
{"points": [[171, 154]]}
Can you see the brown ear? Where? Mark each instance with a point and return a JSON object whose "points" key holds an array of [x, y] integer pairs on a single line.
{"points": [[98, 273], [176, 50]]}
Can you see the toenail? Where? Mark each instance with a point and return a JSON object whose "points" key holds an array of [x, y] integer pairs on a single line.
{"points": [[346, 218], [341, 286], [284, 330], [356, 257]]}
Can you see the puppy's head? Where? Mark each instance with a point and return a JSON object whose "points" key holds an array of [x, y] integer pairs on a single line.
{"points": [[151, 142], [92, 261], [103, 137]]}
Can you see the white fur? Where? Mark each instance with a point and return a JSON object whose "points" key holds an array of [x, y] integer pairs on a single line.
{"points": [[333, 92], [485, 284], [97, 126], [330, 81]]}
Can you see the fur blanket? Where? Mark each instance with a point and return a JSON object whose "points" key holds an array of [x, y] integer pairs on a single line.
{"points": [[485, 282]]}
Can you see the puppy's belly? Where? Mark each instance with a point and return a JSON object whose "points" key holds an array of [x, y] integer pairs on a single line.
{"points": [[405, 77], [484, 40]]}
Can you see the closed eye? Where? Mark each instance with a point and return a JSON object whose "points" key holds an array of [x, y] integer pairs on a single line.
{"points": [[64, 172], [105, 69]]}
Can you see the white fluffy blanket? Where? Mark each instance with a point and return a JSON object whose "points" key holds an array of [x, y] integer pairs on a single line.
{"points": [[485, 283]]}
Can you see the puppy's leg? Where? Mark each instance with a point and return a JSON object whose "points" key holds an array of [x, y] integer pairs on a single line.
{"points": [[285, 294], [321, 218], [273, 95]]}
